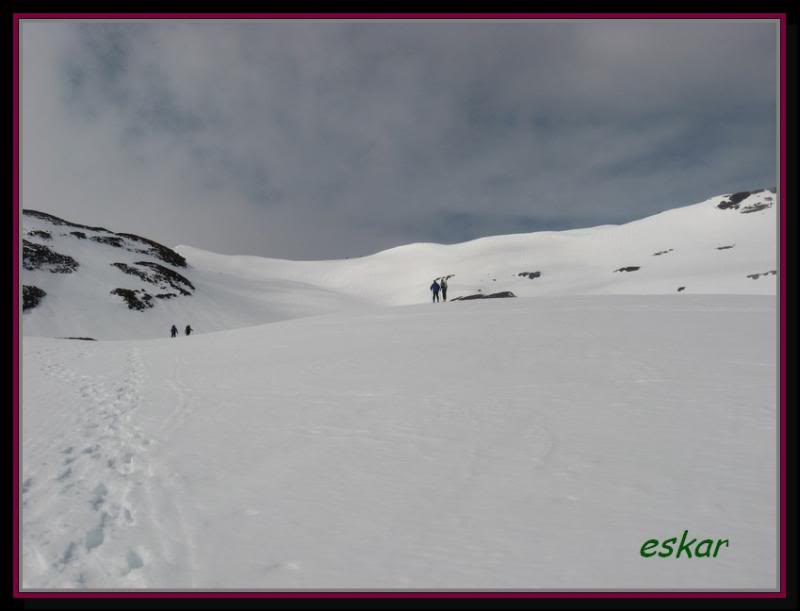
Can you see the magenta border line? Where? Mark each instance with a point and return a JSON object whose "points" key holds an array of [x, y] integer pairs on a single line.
{"points": [[335, 16], [782, 335], [399, 594], [15, 316]]}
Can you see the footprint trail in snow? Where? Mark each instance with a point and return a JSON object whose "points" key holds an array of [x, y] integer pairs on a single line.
{"points": [[88, 483]]}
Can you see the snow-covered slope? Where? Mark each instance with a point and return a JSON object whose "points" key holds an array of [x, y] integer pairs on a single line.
{"points": [[704, 248], [79, 299], [531, 443], [513, 443], [726, 244]]}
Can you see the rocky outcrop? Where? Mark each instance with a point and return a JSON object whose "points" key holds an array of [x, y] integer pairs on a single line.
{"points": [[771, 272], [530, 275], [108, 239], [157, 250], [500, 295], [756, 207], [158, 275], [154, 267], [58, 221], [630, 268], [136, 299], [165, 275], [734, 200], [119, 240], [31, 297], [39, 256]]}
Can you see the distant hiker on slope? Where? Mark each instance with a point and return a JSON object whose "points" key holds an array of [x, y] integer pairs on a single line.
{"points": [[435, 288], [444, 289], [174, 331], [188, 330]]}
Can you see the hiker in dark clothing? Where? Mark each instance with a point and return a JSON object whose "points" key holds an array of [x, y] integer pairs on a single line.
{"points": [[174, 331], [435, 288], [444, 289], [188, 330]]}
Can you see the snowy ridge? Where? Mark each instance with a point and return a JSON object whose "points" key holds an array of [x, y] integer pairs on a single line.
{"points": [[707, 248], [573, 262]]}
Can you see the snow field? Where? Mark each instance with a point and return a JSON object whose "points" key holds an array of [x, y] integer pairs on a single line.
{"points": [[530, 443]]}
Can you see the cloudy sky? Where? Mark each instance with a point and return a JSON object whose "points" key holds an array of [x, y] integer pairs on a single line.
{"points": [[311, 140]]}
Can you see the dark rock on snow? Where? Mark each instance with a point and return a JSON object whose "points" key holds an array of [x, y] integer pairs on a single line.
{"points": [[171, 277], [756, 207], [58, 221], [31, 296], [630, 268], [136, 300], [38, 256], [771, 272], [158, 275], [734, 200], [115, 239], [480, 296], [107, 239], [132, 271], [157, 250]]}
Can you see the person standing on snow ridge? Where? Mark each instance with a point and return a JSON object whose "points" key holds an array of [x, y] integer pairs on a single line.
{"points": [[188, 330], [174, 331], [435, 288], [444, 289]]}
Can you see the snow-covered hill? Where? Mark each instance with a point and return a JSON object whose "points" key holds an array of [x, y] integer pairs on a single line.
{"points": [[526, 443], [726, 244]]}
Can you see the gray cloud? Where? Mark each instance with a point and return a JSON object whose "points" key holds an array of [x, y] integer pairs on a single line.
{"points": [[330, 139]]}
